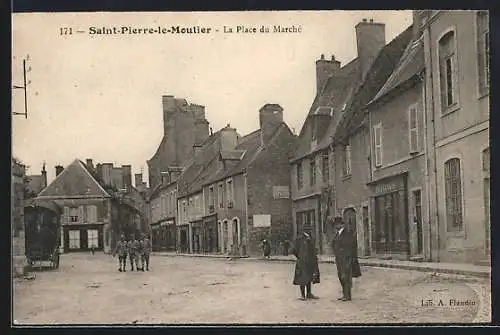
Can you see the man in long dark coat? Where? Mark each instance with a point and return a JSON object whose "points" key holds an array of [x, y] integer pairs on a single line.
{"points": [[306, 266], [344, 248]]}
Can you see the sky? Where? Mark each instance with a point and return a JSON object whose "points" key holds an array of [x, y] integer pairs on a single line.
{"points": [[99, 96]]}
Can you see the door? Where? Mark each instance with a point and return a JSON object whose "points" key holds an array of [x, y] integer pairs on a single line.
{"points": [[350, 220], [366, 231], [92, 238], [225, 232], [235, 237], [417, 219], [74, 239]]}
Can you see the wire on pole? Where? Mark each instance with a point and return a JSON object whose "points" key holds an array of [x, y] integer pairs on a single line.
{"points": [[24, 88]]}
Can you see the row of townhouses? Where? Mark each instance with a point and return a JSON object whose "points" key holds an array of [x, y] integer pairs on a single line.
{"points": [[220, 192], [396, 142], [405, 156]]}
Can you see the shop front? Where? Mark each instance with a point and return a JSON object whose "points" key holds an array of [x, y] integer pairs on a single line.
{"points": [[164, 235], [390, 228], [307, 218], [183, 239], [211, 234], [198, 237]]}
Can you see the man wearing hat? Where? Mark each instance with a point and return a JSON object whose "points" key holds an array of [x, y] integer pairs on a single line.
{"points": [[344, 248], [122, 250]]}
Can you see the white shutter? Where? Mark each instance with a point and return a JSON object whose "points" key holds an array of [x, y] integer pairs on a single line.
{"points": [[377, 130], [80, 214], [66, 215], [413, 129]]}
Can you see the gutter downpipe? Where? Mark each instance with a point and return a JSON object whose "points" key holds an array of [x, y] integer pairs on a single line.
{"points": [[422, 78], [430, 106]]}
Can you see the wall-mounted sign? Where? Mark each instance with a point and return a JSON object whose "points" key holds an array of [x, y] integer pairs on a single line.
{"points": [[281, 192], [262, 220]]}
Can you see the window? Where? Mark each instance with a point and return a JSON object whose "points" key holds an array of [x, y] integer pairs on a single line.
{"points": [[300, 176], [221, 195], [211, 196], [483, 50], [190, 206], [448, 71], [312, 172], [173, 201], [73, 214], [230, 195], [453, 192], [74, 239], [486, 160], [91, 214], [326, 167], [92, 238], [377, 136], [346, 168], [413, 128]]}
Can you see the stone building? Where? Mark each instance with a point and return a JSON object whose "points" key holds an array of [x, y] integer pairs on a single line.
{"points": [[247, 196], [18, 171], [457, 62], [184, 126]]}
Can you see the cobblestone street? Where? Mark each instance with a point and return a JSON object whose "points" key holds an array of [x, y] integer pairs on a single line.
{"points": [[89, 289]]}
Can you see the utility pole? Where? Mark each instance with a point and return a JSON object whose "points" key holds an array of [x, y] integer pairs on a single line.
{"points": [[24, 88]]}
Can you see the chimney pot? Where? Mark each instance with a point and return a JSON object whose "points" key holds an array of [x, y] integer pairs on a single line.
{"points": [[333, 57], [322, 57], [364, 20], [59, 169]]}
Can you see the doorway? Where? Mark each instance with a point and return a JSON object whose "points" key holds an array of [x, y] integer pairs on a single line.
{"points": [[417, 219], [350, 221], [366, 231]]}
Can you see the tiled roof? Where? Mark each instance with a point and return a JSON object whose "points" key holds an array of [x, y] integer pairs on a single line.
{"points": [[376, 77], [74, 181], [36, 183], [410, 64], [336, 93], [197, 163], [232, 154]]}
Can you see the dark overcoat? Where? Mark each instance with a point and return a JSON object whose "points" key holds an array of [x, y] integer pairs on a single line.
{"points": [[306, 266], [345, 250]]}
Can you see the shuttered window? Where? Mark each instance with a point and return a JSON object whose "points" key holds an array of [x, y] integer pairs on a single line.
{"points": [[413, 129], [377, 137], [453, 192], [483, 50]]}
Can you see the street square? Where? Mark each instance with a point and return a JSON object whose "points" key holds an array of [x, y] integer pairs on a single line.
{"points": [[89, 289]]}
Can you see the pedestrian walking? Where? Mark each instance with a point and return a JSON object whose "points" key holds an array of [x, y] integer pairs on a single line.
{"points": [[121, 249], [133, 246], [306, 266], [146, 250], [344, 248], [266, 248], [286, 247]]}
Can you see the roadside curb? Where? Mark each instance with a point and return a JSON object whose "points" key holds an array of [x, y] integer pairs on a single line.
{"points": [[364, 262]]}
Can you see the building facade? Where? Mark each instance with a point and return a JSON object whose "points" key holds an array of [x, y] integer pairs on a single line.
{"points": [[457, 107], [17, 217], [249, 190], [163, 217]]}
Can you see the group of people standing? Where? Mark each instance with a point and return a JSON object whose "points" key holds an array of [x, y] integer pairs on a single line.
{"points": [[136, 250], [346, 259]]}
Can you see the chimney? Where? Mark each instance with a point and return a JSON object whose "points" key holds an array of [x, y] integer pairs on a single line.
{"points": [[270, 117], [127, 176], [59, 169], [324, 69], [106, 173], [370, 39], [44, 175], [228, 138], [89, 164], [201, 125], [138, 179], [169, 107]]}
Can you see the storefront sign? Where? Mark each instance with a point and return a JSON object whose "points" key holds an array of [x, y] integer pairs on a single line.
{"points": [[167, 223], [262, 220], [281, 192], [389, 185]]}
